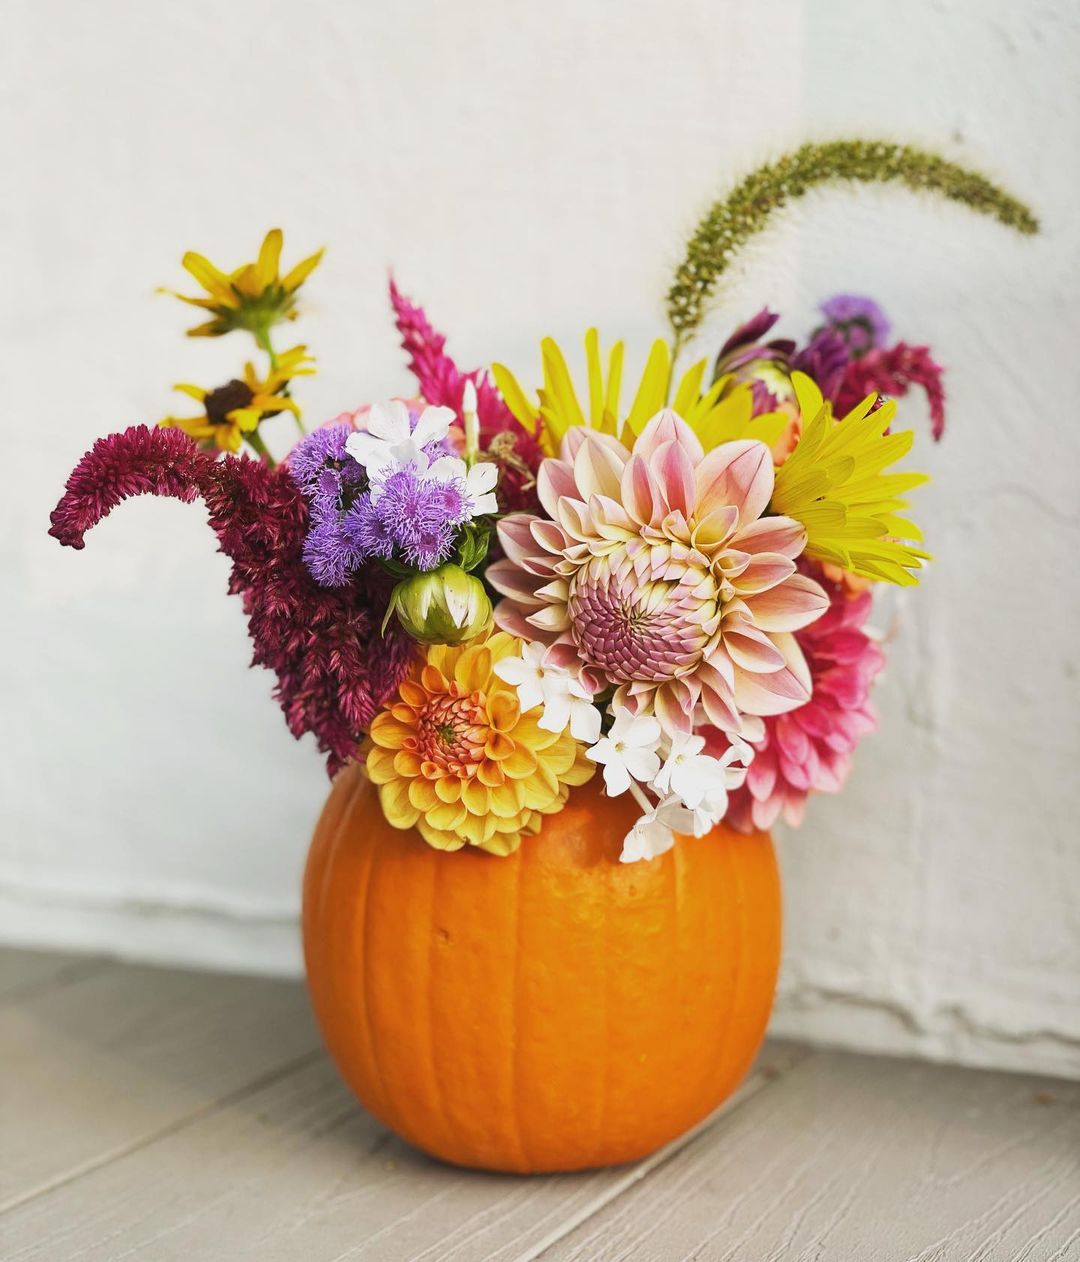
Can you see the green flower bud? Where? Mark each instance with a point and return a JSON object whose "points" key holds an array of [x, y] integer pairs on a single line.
{"points": [[443, 606]]}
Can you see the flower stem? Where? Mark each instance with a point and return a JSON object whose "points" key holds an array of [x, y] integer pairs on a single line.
{"points": [[257, 445]]}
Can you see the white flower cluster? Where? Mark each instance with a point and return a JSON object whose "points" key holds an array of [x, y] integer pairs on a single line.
{"points": [[392, 443], [690, 787]]}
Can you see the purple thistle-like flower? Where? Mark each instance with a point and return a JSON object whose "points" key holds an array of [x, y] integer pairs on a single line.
{"points": [[858, 320], [421, 516], [323, 469], [329, 553], [367, 531]]}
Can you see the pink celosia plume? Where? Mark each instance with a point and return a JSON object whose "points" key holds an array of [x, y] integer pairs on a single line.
{"points": [[333, 668], [656, 574], [809, 749], [442, 383]]}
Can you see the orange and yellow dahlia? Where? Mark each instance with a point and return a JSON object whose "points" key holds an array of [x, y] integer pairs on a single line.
{"points": [[455, 757]]}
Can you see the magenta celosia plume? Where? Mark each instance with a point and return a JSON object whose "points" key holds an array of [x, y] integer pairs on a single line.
{"points": [[894, 371], [442, 383], [809, 750], [333, 668], [658, 576]]}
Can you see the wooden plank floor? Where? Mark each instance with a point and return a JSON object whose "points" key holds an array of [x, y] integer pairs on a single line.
{"points": [[158, 1114]]}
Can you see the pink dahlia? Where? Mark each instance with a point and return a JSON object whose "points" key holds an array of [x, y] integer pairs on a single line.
{"points": [[810, 748], [658, 576]]}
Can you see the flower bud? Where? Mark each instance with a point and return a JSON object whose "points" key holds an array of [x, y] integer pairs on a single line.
{"points": [[443, 606]]}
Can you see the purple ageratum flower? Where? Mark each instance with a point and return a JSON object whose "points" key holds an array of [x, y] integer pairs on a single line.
{"points": [[366, 530], [323, 469], [858, 320], [421, 516], [330, 553]]}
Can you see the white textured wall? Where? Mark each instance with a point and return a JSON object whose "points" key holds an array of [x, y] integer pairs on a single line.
{"points": [[528, 169]]}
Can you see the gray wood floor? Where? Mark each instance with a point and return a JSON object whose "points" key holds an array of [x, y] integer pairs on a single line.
{"points": [[156, 1114]]}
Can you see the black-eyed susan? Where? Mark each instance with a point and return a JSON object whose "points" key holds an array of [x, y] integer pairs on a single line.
{"points": [[253, 297], [834, 483], [232, 412], [722, 413]]}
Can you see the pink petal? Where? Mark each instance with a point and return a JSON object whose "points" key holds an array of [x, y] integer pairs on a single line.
{"points": [[516, 537], [638, 492], [752, 650], [555, 480], [772, 534], [667, 427], [512, 581], [674, 473], [790, 606], [738, 473], [597, 467], [716, 527], [765, 570]]}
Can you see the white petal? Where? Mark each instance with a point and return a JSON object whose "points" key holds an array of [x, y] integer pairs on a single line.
{"points": [[433, 424]]}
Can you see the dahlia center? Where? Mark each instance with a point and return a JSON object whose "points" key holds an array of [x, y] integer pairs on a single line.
{"points": [[451, 733], [647, 616]]}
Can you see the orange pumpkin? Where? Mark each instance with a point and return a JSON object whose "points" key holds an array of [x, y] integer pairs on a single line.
{"points": [[552, 1010]]}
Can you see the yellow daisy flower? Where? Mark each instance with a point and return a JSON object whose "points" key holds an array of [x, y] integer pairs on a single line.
{"points": [[719, 414], [233, 411], [835, 484], [455, 757], [253, 297]]}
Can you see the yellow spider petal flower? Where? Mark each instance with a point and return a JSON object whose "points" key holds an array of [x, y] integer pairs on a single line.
{"points": [[835, 484], [253, 297], [454, 756], [720, 413], [233, 411]]}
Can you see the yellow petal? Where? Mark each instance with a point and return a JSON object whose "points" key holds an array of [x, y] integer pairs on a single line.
{"points": [[212, 279], [295, 278], [266, 269]]}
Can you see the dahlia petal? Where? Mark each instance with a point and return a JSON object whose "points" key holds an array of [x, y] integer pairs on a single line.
{"points": [[772, 534], [752, 650], [739, 474], [791, 606], [551, 537], [510, 618], [765, 814], [674, 474], [639, 494], [516, 537], [554, 481], [510, 580], [573, 516], [768, 694], [665, 427], [597, 467], [716, 527], [610, 518], [553, 618], [761, 774], [764, 571]]}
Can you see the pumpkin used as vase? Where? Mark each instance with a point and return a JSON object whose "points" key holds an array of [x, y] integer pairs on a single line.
{"points": [[552, 1010]]}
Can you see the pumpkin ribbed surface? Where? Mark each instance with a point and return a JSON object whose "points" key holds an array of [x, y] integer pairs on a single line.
{"points": [[551, 1010]]}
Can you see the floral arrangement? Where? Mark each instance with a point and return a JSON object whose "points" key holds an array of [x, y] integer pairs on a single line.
{"points": [[488, 594]]}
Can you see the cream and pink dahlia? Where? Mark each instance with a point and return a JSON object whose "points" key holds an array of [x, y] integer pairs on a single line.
{"points": [[809, 750], [656, 575]]}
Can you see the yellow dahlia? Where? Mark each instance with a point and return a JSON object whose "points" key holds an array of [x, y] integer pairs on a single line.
{"points": [[834, 483], [722, 413], [455, 757]]}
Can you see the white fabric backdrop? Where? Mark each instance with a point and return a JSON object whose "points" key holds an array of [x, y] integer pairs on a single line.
{"points": [[529, 169]]}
